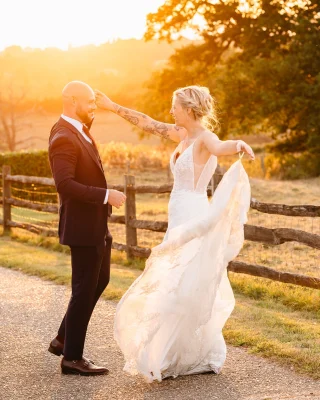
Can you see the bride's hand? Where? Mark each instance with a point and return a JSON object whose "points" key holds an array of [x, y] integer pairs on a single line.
{"points": [[243, 146], [103, 101]]}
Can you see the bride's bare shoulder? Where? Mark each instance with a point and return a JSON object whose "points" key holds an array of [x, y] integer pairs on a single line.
{"points": [[210, 134], [206, 137]]}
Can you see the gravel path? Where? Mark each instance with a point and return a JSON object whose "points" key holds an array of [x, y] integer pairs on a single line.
{"points": [[30, 312]]}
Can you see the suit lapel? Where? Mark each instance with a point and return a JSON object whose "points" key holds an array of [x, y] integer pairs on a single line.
{"points": [[85, 143], [90, 149]]}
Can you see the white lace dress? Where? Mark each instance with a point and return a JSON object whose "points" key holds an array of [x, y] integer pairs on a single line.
{"points": [[170, 320]]}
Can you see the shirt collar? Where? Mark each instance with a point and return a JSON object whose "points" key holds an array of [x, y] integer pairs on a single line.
{"points": [[77, 124]]}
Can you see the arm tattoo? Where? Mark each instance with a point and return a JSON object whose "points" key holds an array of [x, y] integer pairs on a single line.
{"points": [[128, 115], [144, 122], [131, 119], [158, 129]]}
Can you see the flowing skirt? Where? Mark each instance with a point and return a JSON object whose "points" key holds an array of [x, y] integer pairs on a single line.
{"points": [[170, 320]]}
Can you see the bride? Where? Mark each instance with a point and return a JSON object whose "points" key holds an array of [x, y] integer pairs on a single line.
{"points": [[170, 320]]}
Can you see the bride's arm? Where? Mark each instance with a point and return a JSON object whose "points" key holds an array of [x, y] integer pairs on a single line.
{"points": [[143, 121], [219, 147]]}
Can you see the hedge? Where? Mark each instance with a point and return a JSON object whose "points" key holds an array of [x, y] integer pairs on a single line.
{"points": [[31, 163]]}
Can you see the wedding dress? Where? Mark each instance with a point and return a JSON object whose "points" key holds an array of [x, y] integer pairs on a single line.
{"points": [[170, 320]]}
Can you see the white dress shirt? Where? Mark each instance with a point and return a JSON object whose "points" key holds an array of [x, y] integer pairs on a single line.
{"points": [[79, 126]]}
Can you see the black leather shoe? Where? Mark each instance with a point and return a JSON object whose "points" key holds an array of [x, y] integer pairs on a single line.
{"points": [[82, 367], [56, 347]]}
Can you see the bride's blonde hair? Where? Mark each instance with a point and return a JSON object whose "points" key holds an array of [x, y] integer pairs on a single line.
{"points": [[203, 105]]}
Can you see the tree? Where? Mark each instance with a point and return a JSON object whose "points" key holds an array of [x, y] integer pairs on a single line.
{"points": [[13, 113], [261, 59]]}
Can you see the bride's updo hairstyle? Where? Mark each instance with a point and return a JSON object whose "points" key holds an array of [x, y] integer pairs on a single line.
{"points": [[202, 104]]}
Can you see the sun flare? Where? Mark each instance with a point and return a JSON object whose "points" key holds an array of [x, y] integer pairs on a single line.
{"points": [[60, 23]]}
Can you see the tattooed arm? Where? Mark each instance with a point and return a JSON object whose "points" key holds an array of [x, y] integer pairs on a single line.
{"points": [[149, 125], [143, 121]]}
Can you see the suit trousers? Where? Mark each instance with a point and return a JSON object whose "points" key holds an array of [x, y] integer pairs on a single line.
{"points": [[90, 276]]}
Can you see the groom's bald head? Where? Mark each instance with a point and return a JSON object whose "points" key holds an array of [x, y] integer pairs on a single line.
{"points": [[78, 101], [76, 88]]}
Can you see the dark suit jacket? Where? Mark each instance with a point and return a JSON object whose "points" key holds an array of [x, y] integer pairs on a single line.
{"points": [[81, 184]]}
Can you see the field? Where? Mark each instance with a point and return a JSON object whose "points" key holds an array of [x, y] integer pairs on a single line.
{"points": [[290, 257], [273, 319], [107, 127]]}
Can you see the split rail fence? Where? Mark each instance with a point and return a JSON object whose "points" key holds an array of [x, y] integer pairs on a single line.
{"points": [[273, 236]]}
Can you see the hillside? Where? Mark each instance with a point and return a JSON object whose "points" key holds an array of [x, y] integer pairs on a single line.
{"points": [[119, 68]]}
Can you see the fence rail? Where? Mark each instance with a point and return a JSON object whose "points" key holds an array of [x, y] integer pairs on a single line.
{"points": [[254, 233]]}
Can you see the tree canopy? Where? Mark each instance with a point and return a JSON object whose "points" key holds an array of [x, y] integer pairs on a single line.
{"points": [[260, 59]]}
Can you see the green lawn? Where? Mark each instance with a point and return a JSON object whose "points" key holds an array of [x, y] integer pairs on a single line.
{"points": [[271, 319], [55, 266]]}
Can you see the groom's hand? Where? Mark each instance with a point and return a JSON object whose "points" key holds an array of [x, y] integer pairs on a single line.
{"points": [[116, 198]]}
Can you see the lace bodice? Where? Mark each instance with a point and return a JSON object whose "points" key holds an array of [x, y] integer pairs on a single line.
{"points": [[189, 176]]}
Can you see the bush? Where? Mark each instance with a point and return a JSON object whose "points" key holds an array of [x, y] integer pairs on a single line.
{"points": [[30, 163], [140, 156], [292, 166]]}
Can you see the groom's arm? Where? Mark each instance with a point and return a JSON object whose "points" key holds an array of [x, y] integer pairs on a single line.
{"points": [[64, 160]]}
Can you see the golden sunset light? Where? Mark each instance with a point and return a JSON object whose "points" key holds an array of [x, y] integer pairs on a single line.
{"points": [[40, 24], [159, 159]]}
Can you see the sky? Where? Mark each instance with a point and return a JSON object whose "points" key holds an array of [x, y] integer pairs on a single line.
{"points": [[61, 23]]}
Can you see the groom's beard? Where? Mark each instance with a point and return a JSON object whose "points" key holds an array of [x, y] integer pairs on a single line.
{"points": [[85, 117], [88, 124]]}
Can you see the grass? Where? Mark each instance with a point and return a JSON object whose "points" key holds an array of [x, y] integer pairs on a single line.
{"points": [[52, 244], [297, 298], [276, 320], [55, 266], [272, 330]]}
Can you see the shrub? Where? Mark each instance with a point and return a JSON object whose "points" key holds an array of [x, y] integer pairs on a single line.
{"points": [[30, 163], [292, 166], [140, 156]]}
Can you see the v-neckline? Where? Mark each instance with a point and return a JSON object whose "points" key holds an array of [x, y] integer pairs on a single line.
{"points": [[204, 166], [174, 164]]}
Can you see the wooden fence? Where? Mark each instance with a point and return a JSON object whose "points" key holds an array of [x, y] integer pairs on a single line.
{"points": [[275, 236]]}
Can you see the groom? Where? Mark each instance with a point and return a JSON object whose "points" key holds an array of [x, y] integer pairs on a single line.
{"points": [[85, 205]]}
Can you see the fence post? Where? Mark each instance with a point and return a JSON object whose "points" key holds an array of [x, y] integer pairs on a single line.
{"points": [[128, 164], [6, 192], [168, 173], [130, 213], [217, 176], [263, 167]]}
